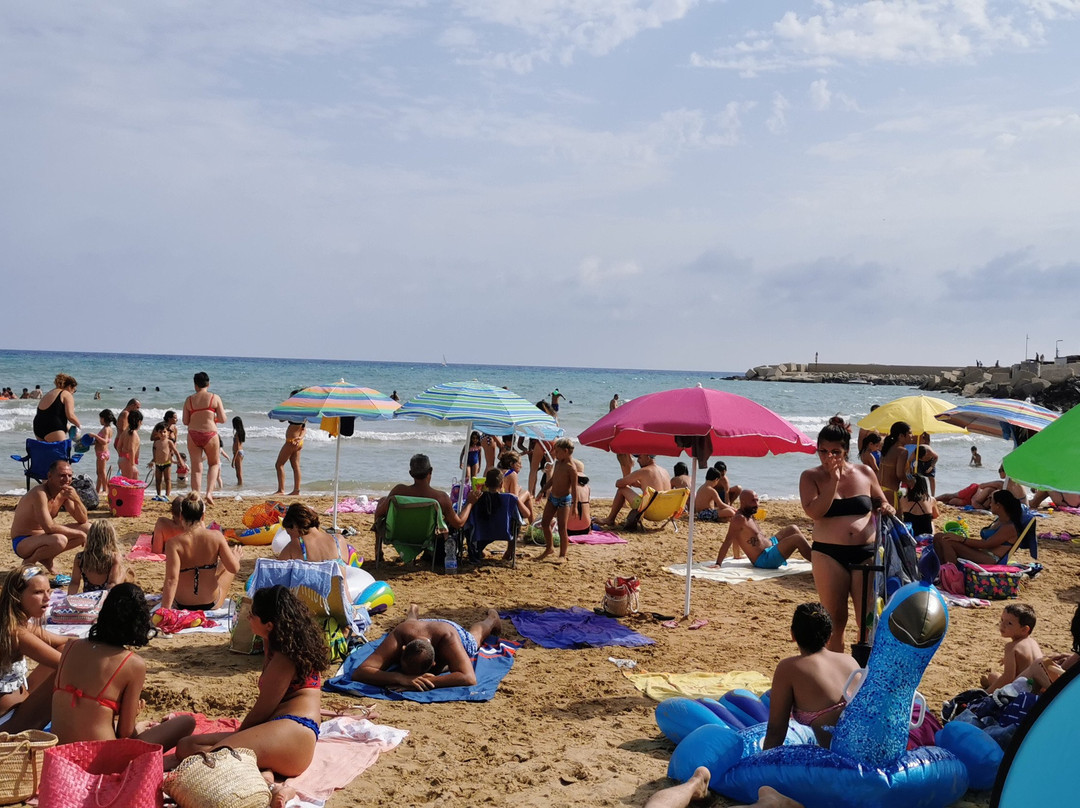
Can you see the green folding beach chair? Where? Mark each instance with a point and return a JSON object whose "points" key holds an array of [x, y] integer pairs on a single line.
{"points": [[411, 525]]}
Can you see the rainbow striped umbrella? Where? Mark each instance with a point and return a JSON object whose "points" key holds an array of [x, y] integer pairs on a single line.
{"points": [[338, 400], [996, 416], [484, 407]]}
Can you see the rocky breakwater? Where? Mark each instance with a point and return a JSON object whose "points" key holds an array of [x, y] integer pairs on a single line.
{"points": [[906, 376], [1052, 385]]}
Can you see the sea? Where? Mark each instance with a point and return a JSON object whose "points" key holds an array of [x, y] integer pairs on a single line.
{"points": [[376, 457]]}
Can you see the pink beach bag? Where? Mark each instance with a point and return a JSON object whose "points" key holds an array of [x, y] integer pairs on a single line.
{"points": [[126, 496], [98, 774]]}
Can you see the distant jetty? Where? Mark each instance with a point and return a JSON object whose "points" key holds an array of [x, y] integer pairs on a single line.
{"points": [[1053, 384]]}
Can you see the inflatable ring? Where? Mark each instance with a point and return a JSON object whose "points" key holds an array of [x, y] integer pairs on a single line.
{"points": [[253, 537]]}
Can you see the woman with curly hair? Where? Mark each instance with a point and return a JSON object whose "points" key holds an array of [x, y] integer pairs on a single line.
{"points": [[104, 666], [283, 725], [25, 701], [56, 410]]}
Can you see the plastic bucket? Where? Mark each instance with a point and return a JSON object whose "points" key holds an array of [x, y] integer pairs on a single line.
{"points": [[126, 496]]}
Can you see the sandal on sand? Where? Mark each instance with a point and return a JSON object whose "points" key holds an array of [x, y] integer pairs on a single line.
{"points": [[59, 580], [699, 623], [670, 624], [662, 617]]}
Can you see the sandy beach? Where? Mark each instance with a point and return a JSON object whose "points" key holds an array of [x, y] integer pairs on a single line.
{"points": [[566, 727]]}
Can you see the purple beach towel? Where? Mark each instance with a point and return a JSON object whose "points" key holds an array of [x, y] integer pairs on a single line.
{"points": [[573, 628]]}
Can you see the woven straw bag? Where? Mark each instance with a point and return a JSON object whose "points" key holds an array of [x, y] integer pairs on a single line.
{"points": [[20, 764], [224, 778]]}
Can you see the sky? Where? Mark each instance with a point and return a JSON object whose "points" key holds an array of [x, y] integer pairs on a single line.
{"points": [[674, 184]]}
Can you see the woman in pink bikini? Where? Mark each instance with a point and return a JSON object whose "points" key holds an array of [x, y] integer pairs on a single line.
{"points": [[103, 665], [809, 687], [203, 411]]}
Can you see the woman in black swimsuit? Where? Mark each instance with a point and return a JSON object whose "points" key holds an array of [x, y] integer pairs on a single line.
{"points": [[840, 498], [199, 564], [55, 410]]}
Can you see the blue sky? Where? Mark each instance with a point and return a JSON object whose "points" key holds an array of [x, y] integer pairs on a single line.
{"points": [[626, 183]]}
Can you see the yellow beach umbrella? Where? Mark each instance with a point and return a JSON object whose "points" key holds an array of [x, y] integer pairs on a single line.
{"points": [[919, 412]]}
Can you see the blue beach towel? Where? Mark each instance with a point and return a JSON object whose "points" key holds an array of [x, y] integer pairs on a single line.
{"points": [[573, 628], [492, 663]]}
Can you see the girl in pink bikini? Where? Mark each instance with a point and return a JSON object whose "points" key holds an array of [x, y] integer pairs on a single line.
{"points": [[203, 411], [127, 446], [809, 687], [101, 448]]}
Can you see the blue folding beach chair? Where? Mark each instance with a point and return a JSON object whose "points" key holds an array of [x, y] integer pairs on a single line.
{"points": [[503, 523], [40, 455]]}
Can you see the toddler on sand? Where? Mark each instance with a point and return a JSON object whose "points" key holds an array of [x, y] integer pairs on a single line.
{"points": [[1017, 623], [164, 452]]}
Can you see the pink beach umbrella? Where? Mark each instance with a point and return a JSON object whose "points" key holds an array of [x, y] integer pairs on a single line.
{"points": [[700, 422]]}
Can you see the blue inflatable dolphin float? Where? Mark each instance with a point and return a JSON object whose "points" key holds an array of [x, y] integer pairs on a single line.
{"points": [[868, 765]]}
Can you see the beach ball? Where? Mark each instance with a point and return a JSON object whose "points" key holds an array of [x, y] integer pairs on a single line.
{"points": [[376, 598]]}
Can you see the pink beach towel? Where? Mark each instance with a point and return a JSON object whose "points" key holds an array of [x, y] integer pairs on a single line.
{"points": [[142, 552], [598, 537], [346, 747], [350, 505], [206, 726]]}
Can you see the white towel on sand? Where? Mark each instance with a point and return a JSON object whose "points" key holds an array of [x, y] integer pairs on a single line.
{"points": [[737, 571]]}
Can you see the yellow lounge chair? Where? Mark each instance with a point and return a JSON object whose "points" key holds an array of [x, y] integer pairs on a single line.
{"points": [[663, 506]]}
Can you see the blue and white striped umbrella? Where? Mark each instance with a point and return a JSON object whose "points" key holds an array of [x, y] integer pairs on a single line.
{"points": [[493, 408]]}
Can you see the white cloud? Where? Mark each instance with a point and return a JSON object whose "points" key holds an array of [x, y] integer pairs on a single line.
{"points": [[820, 94], [918, 32], [777, 120], [595, 272], [556, 30]]}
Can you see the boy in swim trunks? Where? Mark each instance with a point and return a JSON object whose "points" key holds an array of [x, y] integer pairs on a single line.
{"points": [[708, 506], [426, 654], [562, 485], [768, 553]]}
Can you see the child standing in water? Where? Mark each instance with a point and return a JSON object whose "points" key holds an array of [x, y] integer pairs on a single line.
{"points": [[239, 437], [127, 446], [164, 452], [101, 449], [560, 498]]}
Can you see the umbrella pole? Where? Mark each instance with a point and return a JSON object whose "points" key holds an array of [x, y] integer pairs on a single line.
{"points": [[337, 468], [690, 537]]}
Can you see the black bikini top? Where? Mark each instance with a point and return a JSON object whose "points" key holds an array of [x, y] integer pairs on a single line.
{"points": [[850, 506]]}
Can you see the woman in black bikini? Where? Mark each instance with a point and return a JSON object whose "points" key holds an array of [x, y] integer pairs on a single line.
{"points": [[55, 410], [919, 508], [994, 542], [840, 497], [199, 564]]}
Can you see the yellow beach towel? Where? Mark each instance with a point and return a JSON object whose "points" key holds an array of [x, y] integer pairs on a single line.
{"points": [[697, 684]]}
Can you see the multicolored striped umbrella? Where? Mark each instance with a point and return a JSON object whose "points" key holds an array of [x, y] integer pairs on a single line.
{"points": [[338, 400], [996, 416], [492, 409]]}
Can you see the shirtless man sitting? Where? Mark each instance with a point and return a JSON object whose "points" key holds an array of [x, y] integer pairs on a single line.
{"points": [[36, 536], [650, 475], [763, 552], [420, 470], [427, 653]]}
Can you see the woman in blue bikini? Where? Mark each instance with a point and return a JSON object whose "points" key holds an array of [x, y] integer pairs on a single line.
{"points": [[283, 725]]}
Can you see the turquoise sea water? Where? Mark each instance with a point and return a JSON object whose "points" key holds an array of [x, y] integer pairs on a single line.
{"points": [[376, 457]]}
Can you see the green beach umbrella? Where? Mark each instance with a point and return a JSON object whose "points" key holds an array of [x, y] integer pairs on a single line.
{"points": [[338, 400], [1050, 459]]}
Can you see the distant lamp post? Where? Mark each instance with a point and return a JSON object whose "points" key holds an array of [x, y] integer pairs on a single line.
{"points": [[1057, 352]]}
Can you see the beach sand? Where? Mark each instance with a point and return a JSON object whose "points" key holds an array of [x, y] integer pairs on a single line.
{"points": [[566, 727]]}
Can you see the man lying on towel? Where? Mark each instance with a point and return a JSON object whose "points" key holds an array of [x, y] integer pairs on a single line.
{"points": [[428, 653], [763, 552]]}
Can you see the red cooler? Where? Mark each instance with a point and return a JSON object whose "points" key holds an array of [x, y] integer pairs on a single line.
{"points": [[126, 496]]}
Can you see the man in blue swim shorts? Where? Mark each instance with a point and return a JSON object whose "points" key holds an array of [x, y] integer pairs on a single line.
{"points": [[423, 654], [766, 553], [37, 534]]}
